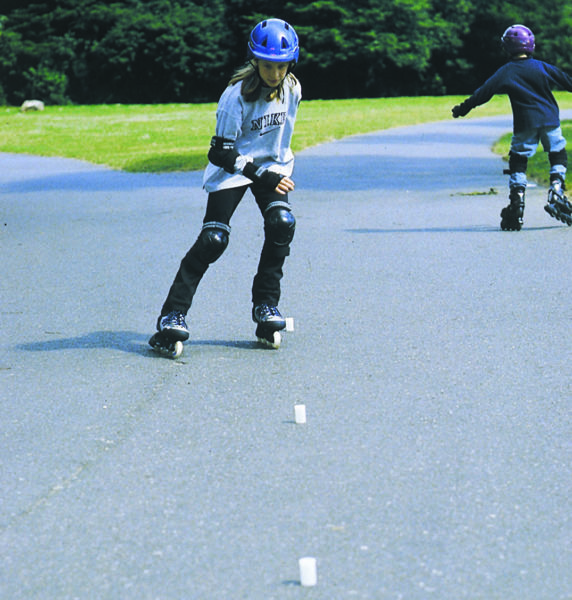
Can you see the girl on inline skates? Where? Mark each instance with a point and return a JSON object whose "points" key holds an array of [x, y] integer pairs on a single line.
{"points": [[536, 118], [250, 150]]}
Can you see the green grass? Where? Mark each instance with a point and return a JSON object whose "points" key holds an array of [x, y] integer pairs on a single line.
{"points": [[138, 138], [175, 137]]}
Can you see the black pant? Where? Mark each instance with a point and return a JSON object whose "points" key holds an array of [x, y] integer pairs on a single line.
{"points": [[220, 208]]}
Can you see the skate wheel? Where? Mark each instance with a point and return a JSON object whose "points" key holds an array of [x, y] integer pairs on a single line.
{"points": [[554, 211], [277, 339], [272, 340], [164, 347], [510, 226], [153, 341]]}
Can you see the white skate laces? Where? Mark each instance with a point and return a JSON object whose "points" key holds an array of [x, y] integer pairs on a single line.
{"points": [[267, 314], [173, 321]]}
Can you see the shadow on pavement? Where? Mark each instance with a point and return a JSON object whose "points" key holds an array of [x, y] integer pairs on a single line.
{"points": [[474, 229], [126, 341]]}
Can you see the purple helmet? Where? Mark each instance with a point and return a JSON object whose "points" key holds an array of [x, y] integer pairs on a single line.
{"points": [[518, 39], [274, 40]]}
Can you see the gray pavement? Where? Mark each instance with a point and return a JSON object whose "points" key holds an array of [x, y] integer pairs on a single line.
{"points": [[430, 349]]}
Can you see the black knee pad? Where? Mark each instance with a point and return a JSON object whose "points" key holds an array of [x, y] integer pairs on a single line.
{"points": [[558, 158], [517, 163], [279, 226], [213, 241]]}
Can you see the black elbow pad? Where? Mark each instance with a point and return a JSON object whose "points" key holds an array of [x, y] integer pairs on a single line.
{"points": [[222, 153]]}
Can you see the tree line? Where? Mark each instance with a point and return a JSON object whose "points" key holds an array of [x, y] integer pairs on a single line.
{"points": [[158, 51]]}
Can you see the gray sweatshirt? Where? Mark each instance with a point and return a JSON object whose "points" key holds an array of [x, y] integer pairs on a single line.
{"points": [[261, 130]]}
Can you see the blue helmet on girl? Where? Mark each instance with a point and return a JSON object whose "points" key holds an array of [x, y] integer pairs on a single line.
{"points": [[274, 40], [518, 39]]}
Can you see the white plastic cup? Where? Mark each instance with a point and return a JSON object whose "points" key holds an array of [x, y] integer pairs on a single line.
{"points": [[300, 414], [308, 571], [289, 323]]}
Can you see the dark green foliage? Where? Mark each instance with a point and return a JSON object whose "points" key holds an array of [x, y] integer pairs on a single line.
{"points": [[153, 51]]}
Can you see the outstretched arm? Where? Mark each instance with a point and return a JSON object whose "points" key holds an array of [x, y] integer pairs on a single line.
{"points": [[493, 85]]}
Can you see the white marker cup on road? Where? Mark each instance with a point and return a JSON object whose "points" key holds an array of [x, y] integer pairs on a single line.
{"points": [[300, 414], [308, 571], [289, 323]]}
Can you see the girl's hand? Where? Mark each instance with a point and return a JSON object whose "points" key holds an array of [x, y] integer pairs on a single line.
{"points": [[286, 185]]}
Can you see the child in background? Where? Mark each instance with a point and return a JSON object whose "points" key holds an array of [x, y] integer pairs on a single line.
{"points": [[536, 118], [250, 150]]}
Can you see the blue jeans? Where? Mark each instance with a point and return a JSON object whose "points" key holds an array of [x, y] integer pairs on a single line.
{"points": [[525, 144]]}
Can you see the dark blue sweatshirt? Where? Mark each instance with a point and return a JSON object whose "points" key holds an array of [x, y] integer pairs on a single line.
{"points": [[528, 83]]}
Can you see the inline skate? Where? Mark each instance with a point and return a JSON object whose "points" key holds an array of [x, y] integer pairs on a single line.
{"points": [[269, 324], [512, 215], [172, 331], [558, 205]]}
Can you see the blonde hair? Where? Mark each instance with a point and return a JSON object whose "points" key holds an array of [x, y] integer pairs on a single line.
{"points": [[252, 84]]}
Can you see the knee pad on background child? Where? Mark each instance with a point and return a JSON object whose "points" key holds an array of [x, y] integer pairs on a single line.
{"points": [[558, 165], [517, 164]]}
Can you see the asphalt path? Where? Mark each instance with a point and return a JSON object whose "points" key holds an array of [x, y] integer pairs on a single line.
{"points": [[431, 349]]}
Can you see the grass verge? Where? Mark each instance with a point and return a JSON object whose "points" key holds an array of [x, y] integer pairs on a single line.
{"points": [[175, 137]]}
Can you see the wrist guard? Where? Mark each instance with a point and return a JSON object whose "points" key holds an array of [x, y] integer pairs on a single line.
{"points": [[261, 176]]}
